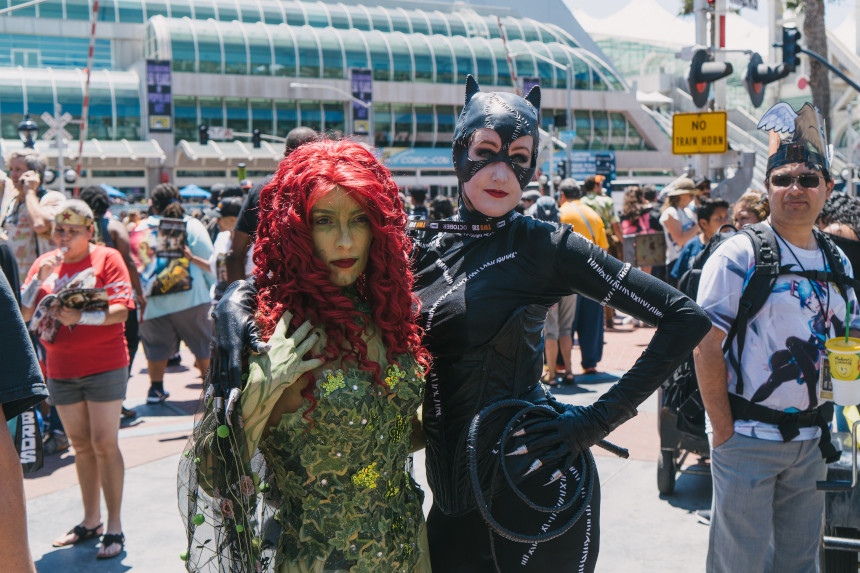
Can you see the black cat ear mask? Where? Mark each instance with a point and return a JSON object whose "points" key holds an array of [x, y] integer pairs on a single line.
{"points": [[509, 115]]}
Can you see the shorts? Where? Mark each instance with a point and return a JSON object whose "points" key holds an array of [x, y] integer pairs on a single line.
{"points": [[102, 387], [161, 336], [559, 319]]}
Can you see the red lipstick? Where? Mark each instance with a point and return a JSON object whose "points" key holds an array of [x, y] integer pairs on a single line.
{"points": [[497, 193], [344, 263]]}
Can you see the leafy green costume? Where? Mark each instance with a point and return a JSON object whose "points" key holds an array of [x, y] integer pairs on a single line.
{"points": [[345, 503]]}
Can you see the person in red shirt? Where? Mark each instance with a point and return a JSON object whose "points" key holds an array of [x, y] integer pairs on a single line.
{"points": [[86, 369]]}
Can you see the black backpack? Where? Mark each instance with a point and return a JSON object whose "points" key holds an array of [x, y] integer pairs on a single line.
{"points": [[681, 390]]}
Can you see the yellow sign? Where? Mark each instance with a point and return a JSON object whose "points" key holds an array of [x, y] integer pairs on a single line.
{"points": [[699, 133]]}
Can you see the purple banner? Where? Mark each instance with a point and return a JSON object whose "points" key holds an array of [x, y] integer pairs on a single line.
{"points": [[362, 89], [158, 97]]}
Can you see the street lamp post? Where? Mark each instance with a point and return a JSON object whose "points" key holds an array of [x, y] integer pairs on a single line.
{"points": [[27, 131], [568, 68], [367, 105]]}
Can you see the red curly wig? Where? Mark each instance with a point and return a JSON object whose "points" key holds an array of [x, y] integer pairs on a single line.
{"points": [[290, 277]]}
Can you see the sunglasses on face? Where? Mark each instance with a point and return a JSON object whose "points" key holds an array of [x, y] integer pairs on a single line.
{"points": [[806, 180]]}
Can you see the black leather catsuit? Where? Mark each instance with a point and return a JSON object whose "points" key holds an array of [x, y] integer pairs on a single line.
{"points": [[484, 300]]}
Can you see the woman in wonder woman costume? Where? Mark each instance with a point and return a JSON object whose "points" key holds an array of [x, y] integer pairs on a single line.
{"points": [[514, 485], [329, 407]]}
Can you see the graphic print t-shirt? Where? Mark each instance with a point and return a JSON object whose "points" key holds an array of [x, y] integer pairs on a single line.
{"points": [[784, 336]]}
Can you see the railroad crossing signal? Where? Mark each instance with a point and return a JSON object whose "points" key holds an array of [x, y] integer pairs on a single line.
{"points": [[56, 125]]}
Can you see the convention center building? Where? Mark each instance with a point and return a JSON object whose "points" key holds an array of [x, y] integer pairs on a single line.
{"points": [[185, 90]]}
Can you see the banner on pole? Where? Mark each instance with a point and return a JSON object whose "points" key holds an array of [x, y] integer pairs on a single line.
{"points": [[158, 96], [362, 89]]}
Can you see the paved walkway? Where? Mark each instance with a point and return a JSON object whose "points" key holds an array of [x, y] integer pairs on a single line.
{"points": [[640, 531]]}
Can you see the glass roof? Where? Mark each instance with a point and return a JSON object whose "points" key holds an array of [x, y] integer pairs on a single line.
{"points": [[460, 21], [307, 51]]}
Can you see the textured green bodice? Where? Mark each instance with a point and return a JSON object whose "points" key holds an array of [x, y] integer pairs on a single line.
{"points": [[340, 467]]}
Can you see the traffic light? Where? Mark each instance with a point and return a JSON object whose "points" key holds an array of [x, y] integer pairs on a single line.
{"points": [[759, 75], [703, 71], [203, 134], [790, 47], [562, 168], [256, 138]]}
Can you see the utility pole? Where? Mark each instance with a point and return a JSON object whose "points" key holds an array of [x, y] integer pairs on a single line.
{"points": [[702, 39], [852, 141]]}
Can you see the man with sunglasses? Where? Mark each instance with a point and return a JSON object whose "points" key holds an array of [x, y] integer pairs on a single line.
{"points": [[766, 426]]}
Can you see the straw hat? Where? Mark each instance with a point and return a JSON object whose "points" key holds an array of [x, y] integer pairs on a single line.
{"points": [[682, 186]]}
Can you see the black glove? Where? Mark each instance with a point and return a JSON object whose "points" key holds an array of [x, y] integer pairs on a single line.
{"points": [[235, 329], [559, 438]]}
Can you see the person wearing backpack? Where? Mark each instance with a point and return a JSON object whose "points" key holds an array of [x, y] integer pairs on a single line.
{"points": [[775, 292]]}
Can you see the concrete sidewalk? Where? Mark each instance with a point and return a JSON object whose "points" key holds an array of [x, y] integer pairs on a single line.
{"points": [[640, 532]]}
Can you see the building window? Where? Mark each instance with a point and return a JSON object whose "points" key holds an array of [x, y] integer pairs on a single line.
{"points": [[425, 126], [382, 124], [185, 118], [237, 115], [403, 125], [335, 124], [311, 114], [262, 117], [26, 58], [286, 116]]}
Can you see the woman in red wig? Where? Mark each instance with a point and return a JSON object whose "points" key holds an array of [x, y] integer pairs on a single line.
{"points": [[328, 410]]}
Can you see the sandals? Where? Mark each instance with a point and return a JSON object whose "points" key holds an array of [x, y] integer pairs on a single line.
{"points": [[568, 380], [109, 539], [83, 534]]}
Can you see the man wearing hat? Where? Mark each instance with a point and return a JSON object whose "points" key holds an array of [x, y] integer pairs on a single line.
{"points": [[703, 186], [767, 427], [678, 225], [528, 199]]}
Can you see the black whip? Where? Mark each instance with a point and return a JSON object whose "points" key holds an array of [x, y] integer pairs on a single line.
{"points": [[589, 471]]}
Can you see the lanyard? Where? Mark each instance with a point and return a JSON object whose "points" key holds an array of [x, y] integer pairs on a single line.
{"points": [[811, 282]]}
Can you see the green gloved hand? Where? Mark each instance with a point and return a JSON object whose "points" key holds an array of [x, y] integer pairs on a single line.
{"points": [[271, 373]]}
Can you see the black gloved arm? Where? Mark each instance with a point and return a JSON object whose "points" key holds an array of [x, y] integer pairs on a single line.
{"points": [[235, 329], [582, 267], [681, 324]]}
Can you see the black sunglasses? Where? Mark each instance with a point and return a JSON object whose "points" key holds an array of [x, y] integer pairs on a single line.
{"points": [[807, 180]]}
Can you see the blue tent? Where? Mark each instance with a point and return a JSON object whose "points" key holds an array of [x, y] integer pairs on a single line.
{"points": [[193, 191], [113, 191]]}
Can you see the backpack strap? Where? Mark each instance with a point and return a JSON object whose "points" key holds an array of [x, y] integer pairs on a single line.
{"points": [[837, 274], [767, 269]]}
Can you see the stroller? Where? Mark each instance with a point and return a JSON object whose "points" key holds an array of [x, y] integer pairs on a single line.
{"points": [[681, 424]]}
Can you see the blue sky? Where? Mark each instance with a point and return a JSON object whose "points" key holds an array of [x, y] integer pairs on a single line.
{"points": [[839, 17]]}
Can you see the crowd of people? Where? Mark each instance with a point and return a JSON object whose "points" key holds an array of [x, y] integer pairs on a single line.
{"points": [[341, 305]]}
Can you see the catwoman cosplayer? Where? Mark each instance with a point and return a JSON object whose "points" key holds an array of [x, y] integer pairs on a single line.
{"points": [[514, 485]]}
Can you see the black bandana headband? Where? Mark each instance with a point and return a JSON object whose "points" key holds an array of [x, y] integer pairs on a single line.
{"points": [[507, 114]]}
